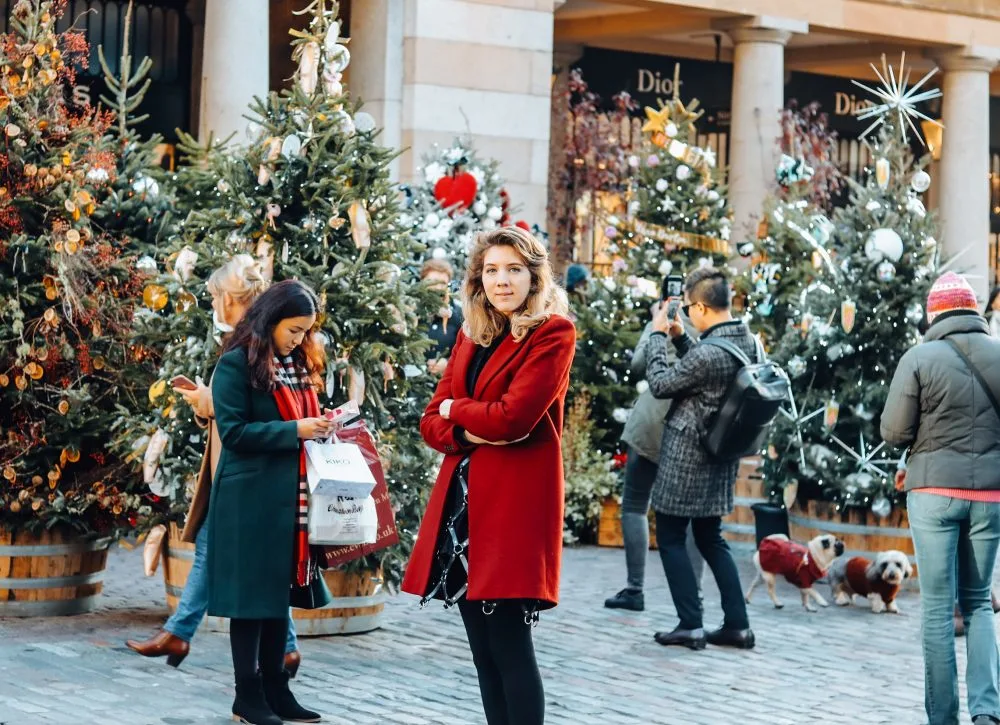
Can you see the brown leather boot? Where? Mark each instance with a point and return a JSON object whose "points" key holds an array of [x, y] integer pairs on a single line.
{"points": [[292, 662], [163, 644]]}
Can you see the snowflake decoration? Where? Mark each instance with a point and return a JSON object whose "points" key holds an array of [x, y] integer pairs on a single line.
{"points": [[897, 98]]}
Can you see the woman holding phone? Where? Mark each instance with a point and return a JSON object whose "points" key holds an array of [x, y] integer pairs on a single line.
{"points": [[259, 556], [491, 538], [233, 287]]}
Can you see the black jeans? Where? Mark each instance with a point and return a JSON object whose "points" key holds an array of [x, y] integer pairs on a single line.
{"points": [[504, 655], [670, 533], [258, 644]]}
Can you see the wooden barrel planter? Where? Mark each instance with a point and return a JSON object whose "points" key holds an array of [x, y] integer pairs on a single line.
{"points": [[51, 574], [863, 533], [609, 529], [358, 603], [738, 528]]}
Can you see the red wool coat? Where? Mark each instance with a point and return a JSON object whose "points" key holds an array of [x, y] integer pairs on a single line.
{"points": [[515, 491], [790, 560]]}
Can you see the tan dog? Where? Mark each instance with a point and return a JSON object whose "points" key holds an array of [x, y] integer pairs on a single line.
{"points": [[801, 565], [879, 581]]}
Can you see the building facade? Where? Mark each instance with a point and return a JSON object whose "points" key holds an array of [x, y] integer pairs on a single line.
{"points": [[495, 71]]}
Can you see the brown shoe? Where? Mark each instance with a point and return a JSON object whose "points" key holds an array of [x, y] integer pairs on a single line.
{"points": [[292, 662], [163, 644]]}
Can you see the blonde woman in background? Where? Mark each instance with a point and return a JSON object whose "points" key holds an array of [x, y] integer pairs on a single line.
{"points": [[233, 286]]}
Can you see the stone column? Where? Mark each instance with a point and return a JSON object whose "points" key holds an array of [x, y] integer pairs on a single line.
{"points": [[964, 200], [235, 64], [377, 66], [758, 97], [482, 70]]}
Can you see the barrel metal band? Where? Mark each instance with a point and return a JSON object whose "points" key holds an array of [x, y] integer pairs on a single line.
{"points": [[186, 554], [337, 603], [837, 527], [52, 582], [53, 608], [75, 547], [748, 500]]}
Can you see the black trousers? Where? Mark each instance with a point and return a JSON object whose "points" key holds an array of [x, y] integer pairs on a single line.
{"points": [[258, 644], [504, 655], [670, 535]]}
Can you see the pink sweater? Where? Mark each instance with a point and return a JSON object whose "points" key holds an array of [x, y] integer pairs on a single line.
{"points": [[966, 494]]}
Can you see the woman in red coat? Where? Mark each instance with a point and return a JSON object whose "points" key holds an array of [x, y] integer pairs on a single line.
{"points": [[491, 538]]}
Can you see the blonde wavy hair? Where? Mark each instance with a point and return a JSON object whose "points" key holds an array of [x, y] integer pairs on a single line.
{"points": [[483, 323], [241, 278]]}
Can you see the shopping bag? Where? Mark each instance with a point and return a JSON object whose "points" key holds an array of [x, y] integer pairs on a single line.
{"points": [[340, 521], [387, 534], [337, 469]]}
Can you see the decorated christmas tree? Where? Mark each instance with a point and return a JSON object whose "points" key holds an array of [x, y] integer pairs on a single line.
{"points": [[310, 196], [67, 289], [853, 293], [590, 475], [456, 195]]}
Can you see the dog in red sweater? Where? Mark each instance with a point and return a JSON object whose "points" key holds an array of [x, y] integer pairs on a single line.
{"points": [[801, 565], [878, 581]]}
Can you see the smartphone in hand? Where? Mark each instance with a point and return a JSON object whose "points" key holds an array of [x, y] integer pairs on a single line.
{"points": [[182, 382]]}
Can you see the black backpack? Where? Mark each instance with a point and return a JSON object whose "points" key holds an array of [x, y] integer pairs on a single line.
{"points": [[752, 402]]}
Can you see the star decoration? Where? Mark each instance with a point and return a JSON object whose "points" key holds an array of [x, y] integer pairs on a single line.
{"points": [[799, 422], [865, 459], [897, 99], [686, 115], [656, 121]]}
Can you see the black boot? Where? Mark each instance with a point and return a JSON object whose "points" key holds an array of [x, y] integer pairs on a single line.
{"points": [[627, 598], [690, 638], [282, 701], [250, 706], [738, 638]]}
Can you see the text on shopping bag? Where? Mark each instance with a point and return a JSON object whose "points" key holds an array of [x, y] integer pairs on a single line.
{"points": [[337, 469]]}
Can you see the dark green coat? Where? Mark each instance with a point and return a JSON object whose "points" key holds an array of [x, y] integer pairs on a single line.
{"points": [[253, 507]]}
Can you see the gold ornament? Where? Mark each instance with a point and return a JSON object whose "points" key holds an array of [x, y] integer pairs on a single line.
{"points": [[73, 235], [4, 381], [73, 455], [71, 247], [21, 382], [156, 390], [185, 301], [50, 316], [832, 414], [34, 371], [848, 315], [806, 323], [361, 225], [882, 169], [37, 480], [337, 221], [155, 297], [96, 329], [656, 120], [99, 362], [9, 473], [63, 407]]}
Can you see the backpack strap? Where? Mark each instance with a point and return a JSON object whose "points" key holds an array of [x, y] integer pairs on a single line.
{"points": [[728, 347], [976, 374]]}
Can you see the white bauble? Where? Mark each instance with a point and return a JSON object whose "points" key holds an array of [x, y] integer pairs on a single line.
{"points": [[633, 161], [433, 172], [641, 387], [98, 175], [920, 182], [489, 224], [345, 122], [291, 146], [713, 195], [610, 284], [495, 214], [332, 36], [146, 186], [431, 221], [670, 129], [873, 205], [916, 207], [886, 272], [683, 172], [146, 264], [439, 253], [339, 57], [666, 267], [620, 415], [479, 208], [884, 243], [662, 185], [364, 122]]}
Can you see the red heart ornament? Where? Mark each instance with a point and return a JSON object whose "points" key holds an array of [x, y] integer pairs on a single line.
{"points": [[456, 192]]}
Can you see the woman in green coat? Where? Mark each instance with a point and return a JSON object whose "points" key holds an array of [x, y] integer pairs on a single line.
{"points": [[265, 406]]}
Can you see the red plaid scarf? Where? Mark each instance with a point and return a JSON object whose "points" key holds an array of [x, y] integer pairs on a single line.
{"points": [[296, 398]]}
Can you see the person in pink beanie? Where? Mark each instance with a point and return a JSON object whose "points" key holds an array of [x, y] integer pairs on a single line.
{"points": [[943, 405]]}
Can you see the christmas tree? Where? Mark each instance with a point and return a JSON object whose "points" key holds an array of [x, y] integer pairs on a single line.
{"points": [[854, 292], [590, 476], [310, 196], [66, 291], [457, 194]]}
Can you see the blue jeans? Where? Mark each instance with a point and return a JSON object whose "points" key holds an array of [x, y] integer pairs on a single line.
{"points": [[956, 543], [194, 602]]}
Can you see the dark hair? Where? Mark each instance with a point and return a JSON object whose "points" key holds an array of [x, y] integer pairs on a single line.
{"points": [[255, 332], [993, 296], [710, 287]]}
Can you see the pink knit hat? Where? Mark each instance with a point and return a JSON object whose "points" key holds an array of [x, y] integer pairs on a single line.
{"points": [[950, 292]]}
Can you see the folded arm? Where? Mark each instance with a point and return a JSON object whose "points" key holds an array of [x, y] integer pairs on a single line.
{"points": [[440, 433], [540, 378]]}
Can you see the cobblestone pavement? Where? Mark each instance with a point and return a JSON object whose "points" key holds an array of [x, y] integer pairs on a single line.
{"points": [[599, 666]]}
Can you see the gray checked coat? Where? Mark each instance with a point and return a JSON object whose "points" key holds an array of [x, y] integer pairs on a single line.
{"points": [[689, 482]]}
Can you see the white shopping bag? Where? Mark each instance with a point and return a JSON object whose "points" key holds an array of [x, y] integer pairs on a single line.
{"points": [[340, 521], [337, 469]]}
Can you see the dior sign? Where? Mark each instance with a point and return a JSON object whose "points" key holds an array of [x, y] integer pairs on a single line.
{"points": [[651, 81]]}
